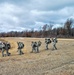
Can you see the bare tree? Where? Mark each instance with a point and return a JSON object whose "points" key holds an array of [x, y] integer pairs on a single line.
{"points": [[68, 25]]}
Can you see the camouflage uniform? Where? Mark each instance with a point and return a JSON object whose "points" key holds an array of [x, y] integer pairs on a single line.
{"points": [[35, 46], [5, 47], [47, 41], [54, 41], [20, 46], [38, 45]]}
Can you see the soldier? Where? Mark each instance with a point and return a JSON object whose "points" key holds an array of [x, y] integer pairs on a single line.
{"points": [[38, 45], [2, 46], [20, 46], [33, 46], [54, 41], [5, 46], [47, 41]]}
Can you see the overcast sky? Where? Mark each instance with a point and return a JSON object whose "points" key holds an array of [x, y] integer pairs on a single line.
{"points": [[19, 15]]}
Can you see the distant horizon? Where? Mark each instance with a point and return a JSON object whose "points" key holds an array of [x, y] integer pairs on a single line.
{"points": [[22, 15]]}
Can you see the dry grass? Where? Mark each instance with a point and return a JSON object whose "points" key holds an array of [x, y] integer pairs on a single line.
{"points": [[47, 62]]}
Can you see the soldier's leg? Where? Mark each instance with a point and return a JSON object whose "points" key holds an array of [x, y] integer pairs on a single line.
{"points": [[7, 53], [3, 52], [55, 47], [33, 48], [19, 51], [37, 49], [52, 46], [22, 52], [46, 46]]}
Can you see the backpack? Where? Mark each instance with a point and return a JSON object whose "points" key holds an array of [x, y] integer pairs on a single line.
{"points": [[20, 45]]}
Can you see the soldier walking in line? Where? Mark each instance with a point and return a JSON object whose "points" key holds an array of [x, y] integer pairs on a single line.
{"points": [[20, 47], [5, 46], [33, 46], [47, 42], [2, 49], [54, 41], [38, 45]]}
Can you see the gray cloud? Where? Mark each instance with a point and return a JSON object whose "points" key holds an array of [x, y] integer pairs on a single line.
{"points": [[19, 15]]}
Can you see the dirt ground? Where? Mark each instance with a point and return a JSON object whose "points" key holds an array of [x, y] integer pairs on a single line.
{"points": [[47, 62]]}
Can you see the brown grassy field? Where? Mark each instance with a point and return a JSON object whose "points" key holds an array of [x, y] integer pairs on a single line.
{"points": [[47, 62]]}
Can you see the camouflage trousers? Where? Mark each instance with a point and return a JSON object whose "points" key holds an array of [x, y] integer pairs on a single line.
{"points": [[36, 49], [46, 46], [54, 46], [7, 53], [20, 52]]}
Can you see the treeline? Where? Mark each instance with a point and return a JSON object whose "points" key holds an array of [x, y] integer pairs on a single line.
{"points": [[65, 31]]}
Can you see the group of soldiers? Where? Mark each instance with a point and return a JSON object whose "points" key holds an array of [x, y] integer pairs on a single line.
{"points": [[48, 41], [35, 46], [5, 46]]}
